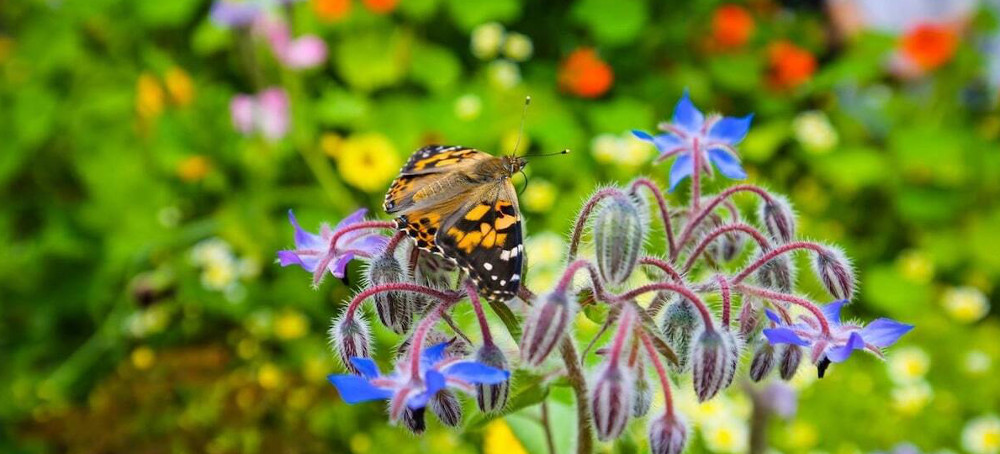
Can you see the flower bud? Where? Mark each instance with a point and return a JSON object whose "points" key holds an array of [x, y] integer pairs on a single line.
{"points": [[749, 318], [789, 361], [395, 309], [732, 361], [680, 321], [350, 338], [712, 362], [492, 398], [667, 435], [457, 347], [414, 420], [834, 269], [619, 233], [725, 247], [764, 359], [611, 401], [546, 325], [778, 218], [777, 274], [446, 407], [643, 396]]}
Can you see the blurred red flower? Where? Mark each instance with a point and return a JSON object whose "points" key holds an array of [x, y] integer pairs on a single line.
{"points": [[380, 6], [331, 10], [790, 65], [929, 46], [584, 74], [732, 26]]}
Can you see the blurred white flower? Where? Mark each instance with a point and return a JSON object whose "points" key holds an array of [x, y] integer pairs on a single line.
{"points": [[813, 130], [908, 365], [518, 47], [966, 304], [623, 149], [468, 107], [913, 397], [546, 249], [977, 362], [503, 74], [218, 275], [915, 266], [211, 250], [486, 40], [982, 435]]}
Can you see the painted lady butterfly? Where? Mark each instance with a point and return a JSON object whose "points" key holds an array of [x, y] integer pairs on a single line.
{"points": [[460, 203]]}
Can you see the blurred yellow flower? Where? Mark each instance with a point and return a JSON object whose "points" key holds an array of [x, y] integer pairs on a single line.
{"points": [[977, 362], [148, 96], [499, 439], [179, 86], [330, 143], [908, 364], [966, 304], [269, 376], [291, 325], [539, 196], [468, 107], [982, 435], [915, 266], [361, 443], [143, 357], [503, 74], [729, 435], [368, 161], [218, 275], [621, 149], [909, 399], [194, 168]]}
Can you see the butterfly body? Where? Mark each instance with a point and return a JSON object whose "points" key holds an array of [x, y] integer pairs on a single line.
{"points": [[460, 203]]}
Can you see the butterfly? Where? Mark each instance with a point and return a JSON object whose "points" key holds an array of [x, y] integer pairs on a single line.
{"points": [[459, 203]]}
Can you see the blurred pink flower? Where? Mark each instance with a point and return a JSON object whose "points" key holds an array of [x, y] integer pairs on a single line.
{"points": [[304, 52], [266, 113]]}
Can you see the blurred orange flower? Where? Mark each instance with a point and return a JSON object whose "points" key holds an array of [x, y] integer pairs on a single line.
{"points": [[584, 74], [380, 6], [732, 26], [194, 168], [331, 10], [179, 86], [929, 46], [148, 96], [790, 65]]}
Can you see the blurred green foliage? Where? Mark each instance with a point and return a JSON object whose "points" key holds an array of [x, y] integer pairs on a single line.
{"points": [[140, 309]]}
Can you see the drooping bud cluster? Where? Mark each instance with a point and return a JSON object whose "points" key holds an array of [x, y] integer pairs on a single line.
{"points": [[395, 309], [765, 357], [642, 398], [750, 318], [778, 274], [446, 407], [835, 272], [778, 218], [713, 362], [611, 400], [667, 435], [350, 338], [789, 360], [619, 233], [546, 326], [492, 398], [680, 321]]}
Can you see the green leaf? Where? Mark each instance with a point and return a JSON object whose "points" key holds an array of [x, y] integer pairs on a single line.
{"points": [[372, 60], [597, 313], [612, 22], [166, 13], [470, 13], [527, 389], [507, 317], [209, 38], [620, 115], [434, 67]]}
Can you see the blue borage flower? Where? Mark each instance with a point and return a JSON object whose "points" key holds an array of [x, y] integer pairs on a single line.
{"points": [[314, 250], [843, 339], [713, 138], [403, 389]]}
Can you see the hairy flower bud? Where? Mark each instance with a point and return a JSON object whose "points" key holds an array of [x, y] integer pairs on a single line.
{"points": [[789, 361], [611, 401], [350, 338], [667, 435], [395, 309], [446, 407], [619, 232], [546, 325], [457, 347], [491, 398], [764, 359], [749, 318], [735, 345], [680, 321], [643, 396], [834, 269], [414, 420], [713, 362], [778, 218], [777, 274]]}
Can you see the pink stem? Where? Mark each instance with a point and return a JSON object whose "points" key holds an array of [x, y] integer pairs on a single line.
{"points": [[477, 306], [726, 299], [661, 371], [663, 265], [662, 204], [581, 220], [774, 253], [802, 302], [396, 287], [394, 241], [621, 336], [571, 270], [699, 216], [359, 226], [706, 316], [741, 227], [421, 332]]}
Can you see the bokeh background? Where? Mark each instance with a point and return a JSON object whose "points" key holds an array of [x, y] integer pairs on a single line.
{"points": [[149, 152]]}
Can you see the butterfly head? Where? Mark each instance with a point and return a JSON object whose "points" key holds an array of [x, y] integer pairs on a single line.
{"points": [[513, 164]]}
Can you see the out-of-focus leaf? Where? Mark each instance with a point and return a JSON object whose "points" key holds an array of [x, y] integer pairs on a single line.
{"points": [[434, 67], [612, 22], [889, 291], [209, 38], [470, 13], [374, 59], [620, 115], [527, 428], [420, 10], [338, 107], [763, 140], [166, 13], [740, 72], [852, 169]]}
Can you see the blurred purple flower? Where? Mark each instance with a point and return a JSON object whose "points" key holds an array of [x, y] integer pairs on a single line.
{"points": [[781, 399], [315, 254], [267, 112], [307, 51], [689, 132], [843, 339], [240, 13], [437, 372]]}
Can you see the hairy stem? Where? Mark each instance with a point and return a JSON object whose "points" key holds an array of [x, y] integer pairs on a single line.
{"points": [[663, 265], [661, 371], [706, 316], [726, 300], [698, 216], [581, 219], [738, 227], [801, 302], [767, 257], [661, 203], [584, 439], [477, 306]]}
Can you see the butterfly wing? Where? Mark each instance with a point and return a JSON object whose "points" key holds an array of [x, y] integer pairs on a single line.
{"points": [[428, 177], [484, 236]]}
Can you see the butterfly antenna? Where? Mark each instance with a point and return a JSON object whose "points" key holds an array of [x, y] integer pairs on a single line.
{"points": [[525, 187], [565, 151], [520, 129]]}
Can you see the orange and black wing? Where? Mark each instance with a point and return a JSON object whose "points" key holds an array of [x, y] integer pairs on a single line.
{"points": [[429, 171], [485, 238]]}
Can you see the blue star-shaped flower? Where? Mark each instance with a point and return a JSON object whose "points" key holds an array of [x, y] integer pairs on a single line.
{"points": [[844, 338], [713, 139], [403, 389], [313, 252]]}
